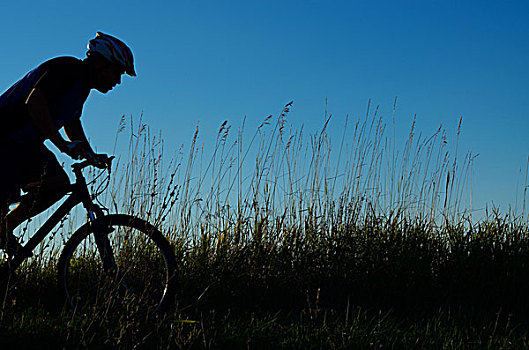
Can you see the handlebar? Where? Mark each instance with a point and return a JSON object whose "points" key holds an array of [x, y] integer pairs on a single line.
{"points": [[92, 161]]}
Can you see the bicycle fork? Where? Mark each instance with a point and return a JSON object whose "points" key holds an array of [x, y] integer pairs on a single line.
{"points": [[100, 232], [110, 266]]}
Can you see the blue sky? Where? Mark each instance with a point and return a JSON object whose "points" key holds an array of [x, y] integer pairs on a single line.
{"points": [[207, 61]]}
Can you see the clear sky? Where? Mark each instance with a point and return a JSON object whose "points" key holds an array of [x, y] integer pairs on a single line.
{"points": [[209, 61]]}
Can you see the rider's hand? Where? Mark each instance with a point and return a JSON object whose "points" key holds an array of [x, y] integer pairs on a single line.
{"points": [[100, 160], [75, 150]]}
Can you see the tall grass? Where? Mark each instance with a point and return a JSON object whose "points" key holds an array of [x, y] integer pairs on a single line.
{"points": [[279, 178], [309, 235]]}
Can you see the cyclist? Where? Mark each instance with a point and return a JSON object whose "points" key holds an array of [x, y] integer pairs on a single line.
{"points": [[33, 110]]}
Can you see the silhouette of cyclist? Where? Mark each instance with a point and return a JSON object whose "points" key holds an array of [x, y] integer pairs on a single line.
{"points": [[33, 110]]}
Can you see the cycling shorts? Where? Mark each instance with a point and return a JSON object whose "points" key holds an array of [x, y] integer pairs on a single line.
{"points": [[22, 165]]}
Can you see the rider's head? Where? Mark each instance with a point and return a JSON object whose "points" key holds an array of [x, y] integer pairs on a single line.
{"points": [[112, 58]]}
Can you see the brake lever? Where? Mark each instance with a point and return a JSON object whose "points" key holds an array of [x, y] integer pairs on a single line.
{"points": [[109, 164]]}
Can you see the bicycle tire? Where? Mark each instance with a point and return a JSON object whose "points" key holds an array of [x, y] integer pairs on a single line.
{"points": [[146, 266]]}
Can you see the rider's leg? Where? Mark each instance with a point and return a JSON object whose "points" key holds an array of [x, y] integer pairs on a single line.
{"points": [[9, 185], [3, 225], [38, 198], [45, 182]]}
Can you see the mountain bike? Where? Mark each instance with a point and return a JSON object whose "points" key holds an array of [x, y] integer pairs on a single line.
{"points": [[111, 259]]}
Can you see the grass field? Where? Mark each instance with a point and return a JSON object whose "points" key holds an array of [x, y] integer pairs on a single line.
{"points": [[285, 242]]}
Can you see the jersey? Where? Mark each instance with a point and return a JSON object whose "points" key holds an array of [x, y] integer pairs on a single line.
{"points": [[64, 81]]}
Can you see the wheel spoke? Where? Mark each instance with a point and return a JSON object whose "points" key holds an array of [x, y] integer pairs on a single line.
{"points": [[142, 272]]}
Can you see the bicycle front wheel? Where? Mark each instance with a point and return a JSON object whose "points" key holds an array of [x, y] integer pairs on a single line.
{"points": [[141, 271]]}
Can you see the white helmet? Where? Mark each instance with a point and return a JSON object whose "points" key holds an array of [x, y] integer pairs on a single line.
{"points": [[113, 50]]}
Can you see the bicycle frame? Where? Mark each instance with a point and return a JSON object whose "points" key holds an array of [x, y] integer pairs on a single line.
{"points": [[78, 194], [97, 237]]}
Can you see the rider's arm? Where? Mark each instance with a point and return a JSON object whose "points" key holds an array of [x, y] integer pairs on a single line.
{"points": [[75, 132], [40, 114]]}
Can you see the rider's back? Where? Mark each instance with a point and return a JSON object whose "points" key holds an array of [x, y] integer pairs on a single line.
{"points": [[65, 84]]}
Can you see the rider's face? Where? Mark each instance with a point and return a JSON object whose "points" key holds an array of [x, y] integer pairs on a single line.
{"points": [[107, 77]]}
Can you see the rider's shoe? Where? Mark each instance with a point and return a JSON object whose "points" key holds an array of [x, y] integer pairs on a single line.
{"points": [[12, 247]]}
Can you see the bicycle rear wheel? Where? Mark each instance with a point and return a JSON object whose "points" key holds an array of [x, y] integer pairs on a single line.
{"points": [[142, 272]]}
